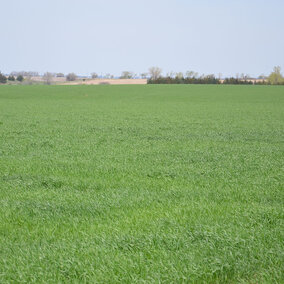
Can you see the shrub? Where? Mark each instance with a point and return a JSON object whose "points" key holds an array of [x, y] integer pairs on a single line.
{"points": [[11, 78], [20, 78]]}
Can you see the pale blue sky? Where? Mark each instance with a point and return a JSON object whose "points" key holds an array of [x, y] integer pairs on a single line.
{"points": [[109, 36]]}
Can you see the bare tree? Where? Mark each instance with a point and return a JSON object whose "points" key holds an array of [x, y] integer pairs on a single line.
{"points": [[144, 75], [71, 77], [170, 74], [48, 78], [28, 80], [32, 73], [25, 73], [94, 75], [276, 77], [155, 72], [191, 74], [127, 75], [108, 76], [179, 75], [262, 76]]}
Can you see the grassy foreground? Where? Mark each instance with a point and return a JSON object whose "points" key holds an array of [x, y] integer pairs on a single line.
{"points": [[141, 184]]}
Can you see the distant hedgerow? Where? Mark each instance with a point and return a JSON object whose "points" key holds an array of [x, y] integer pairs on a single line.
{"points": [[210, 79]]}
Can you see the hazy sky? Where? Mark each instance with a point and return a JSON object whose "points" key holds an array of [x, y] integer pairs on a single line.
{"points": [[109, 36]]}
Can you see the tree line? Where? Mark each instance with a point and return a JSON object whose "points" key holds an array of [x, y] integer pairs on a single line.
{"points": [[154, 76], [191, 77], [4, 79]]}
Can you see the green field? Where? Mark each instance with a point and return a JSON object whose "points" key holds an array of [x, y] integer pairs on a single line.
{"points": [[141, 184]]}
